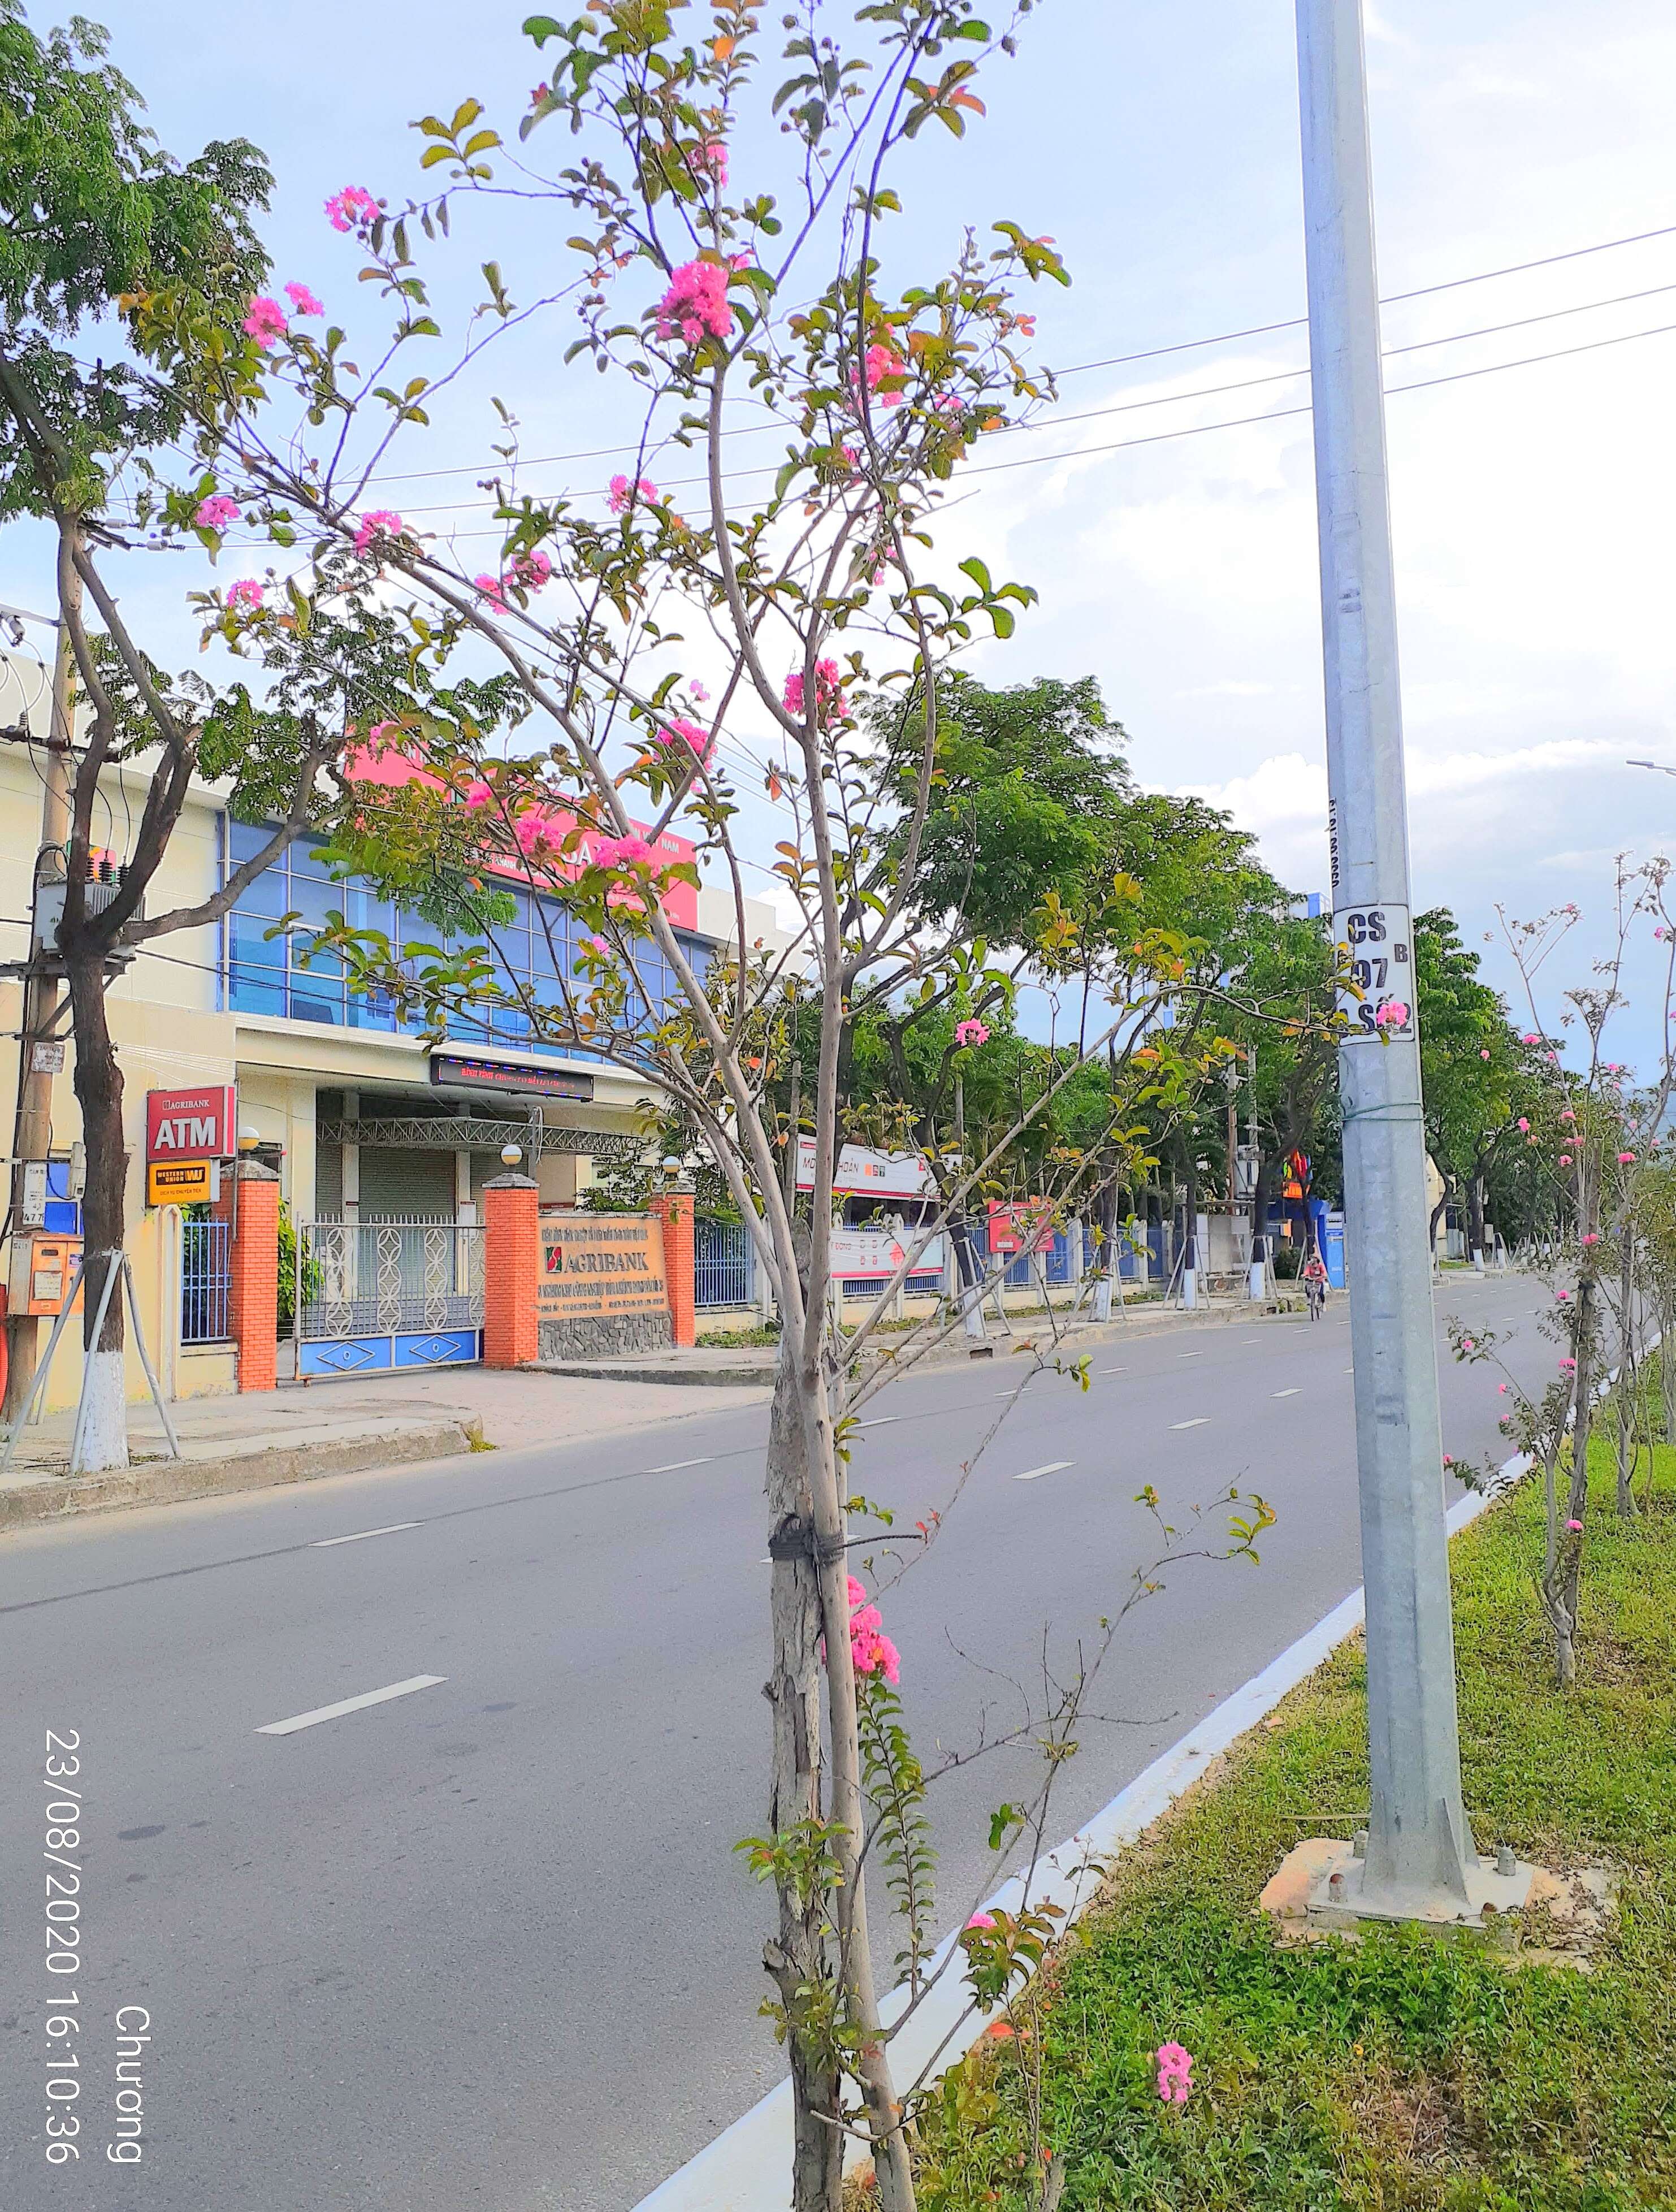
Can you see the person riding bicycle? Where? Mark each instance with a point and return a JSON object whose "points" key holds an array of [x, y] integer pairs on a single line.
{"points": [[1314, 1285]]}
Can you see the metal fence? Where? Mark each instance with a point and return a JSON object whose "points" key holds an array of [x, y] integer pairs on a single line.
{"points": [[362, 1279], [1024, 1273], [725, 1264], [203, 1281]]}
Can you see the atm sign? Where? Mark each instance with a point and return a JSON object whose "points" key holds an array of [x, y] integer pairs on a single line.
{"points": [[190, 1124]]}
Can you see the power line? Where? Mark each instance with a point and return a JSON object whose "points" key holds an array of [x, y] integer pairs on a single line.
{"points": [[1121, 360], [1163, 437], [1209, 391], [1388, 300]]}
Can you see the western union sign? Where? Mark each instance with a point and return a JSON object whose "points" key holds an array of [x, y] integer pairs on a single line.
{"points": [[181, 1182]]}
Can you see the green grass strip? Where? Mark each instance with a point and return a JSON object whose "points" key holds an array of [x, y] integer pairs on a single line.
{"points": [[1403, 2074]]}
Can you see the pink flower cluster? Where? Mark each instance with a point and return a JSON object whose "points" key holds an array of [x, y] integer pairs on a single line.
{"points": [[246, 592], [264, 321], [623, 494], [829, 701], [880, 361], [1574, 1527], [709, 160], [1175, 2073], [303, 301], [693, 735], [490, 589], [216, 512], [622, 853], [479, 795], [352, 209], [382, 522], [872, 1650], [530, 834], [695, 304], [1393, 1014], [971, 1031], [534, 571], [981, 1920]]}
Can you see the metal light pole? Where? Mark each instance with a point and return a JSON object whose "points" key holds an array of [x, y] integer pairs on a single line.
{"points": [[1420, 1859]]}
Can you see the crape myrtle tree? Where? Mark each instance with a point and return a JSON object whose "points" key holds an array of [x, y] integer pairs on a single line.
{"points": [[649, 645], [93, 215], [1598, 1139]]}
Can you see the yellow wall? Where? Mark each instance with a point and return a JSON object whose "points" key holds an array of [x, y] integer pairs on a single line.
{"points": [[169, 1035]]}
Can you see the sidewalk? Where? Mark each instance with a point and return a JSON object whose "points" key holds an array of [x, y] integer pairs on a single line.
{"points": [[720, 1363], [301, 1432]]}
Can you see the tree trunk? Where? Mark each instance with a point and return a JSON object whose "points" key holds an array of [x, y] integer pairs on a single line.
{"points": [[1667, 1364], [1437, 1214], [104, 1424], [797, 1955], [1570, 1568], [1475, 1219], [1628, 1370], [891, 2166]]}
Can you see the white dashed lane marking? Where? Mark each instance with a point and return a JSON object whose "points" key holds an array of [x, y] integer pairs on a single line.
{"points": [[676, 1465], [1053, 1467], [326, 1543], [1288, 1394], [351, 1704], [1197, 1422]]}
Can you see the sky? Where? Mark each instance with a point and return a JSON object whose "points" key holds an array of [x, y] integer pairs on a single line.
{"points": [[1158, 147]]}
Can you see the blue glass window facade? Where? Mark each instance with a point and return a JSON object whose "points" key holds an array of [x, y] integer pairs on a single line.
{"points": [[278, 974]]}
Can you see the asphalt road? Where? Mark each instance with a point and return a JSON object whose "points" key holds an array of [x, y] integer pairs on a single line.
{"points": [[486, 1944]]}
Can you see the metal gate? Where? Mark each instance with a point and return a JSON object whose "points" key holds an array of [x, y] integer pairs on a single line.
{"points": [[724, 1269], [203, 1281], [384, 1294]]}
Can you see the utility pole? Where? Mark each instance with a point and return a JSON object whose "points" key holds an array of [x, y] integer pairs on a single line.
{"points": [[33, 1126], [1420, 1860]]}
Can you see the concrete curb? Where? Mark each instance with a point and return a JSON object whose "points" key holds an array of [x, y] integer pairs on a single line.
{"points": [[753, 1378], [167, 1481], [745, 2168]]}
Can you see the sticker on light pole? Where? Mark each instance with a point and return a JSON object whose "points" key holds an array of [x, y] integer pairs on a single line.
{"points": [[1379, 945]]}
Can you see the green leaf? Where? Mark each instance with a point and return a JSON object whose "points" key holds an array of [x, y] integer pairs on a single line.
{"points": [[541, 28]]}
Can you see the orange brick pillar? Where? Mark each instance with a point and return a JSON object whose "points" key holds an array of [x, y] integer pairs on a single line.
{"points": [[674, 1208], [511, 1269], [250, 1200]]}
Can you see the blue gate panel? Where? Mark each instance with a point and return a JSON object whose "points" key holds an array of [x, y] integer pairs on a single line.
{"points": [[342, 1355], [439, 1347]]}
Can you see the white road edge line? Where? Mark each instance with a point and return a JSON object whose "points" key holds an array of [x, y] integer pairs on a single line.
{"points": [[1197, 1422], [744, 2169], [1292, 1393], [352, 1704], [884, 1421], [1053, 1467], [1113, 1371], [326, 1543], [676, 1465]]}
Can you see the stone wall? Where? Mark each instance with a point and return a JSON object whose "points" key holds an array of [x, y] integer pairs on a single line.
{"points": [[605, 1336]]}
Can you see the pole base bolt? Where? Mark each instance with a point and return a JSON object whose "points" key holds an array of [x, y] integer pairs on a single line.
{"points": [[1505, 1860], [1358, 1844]]}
